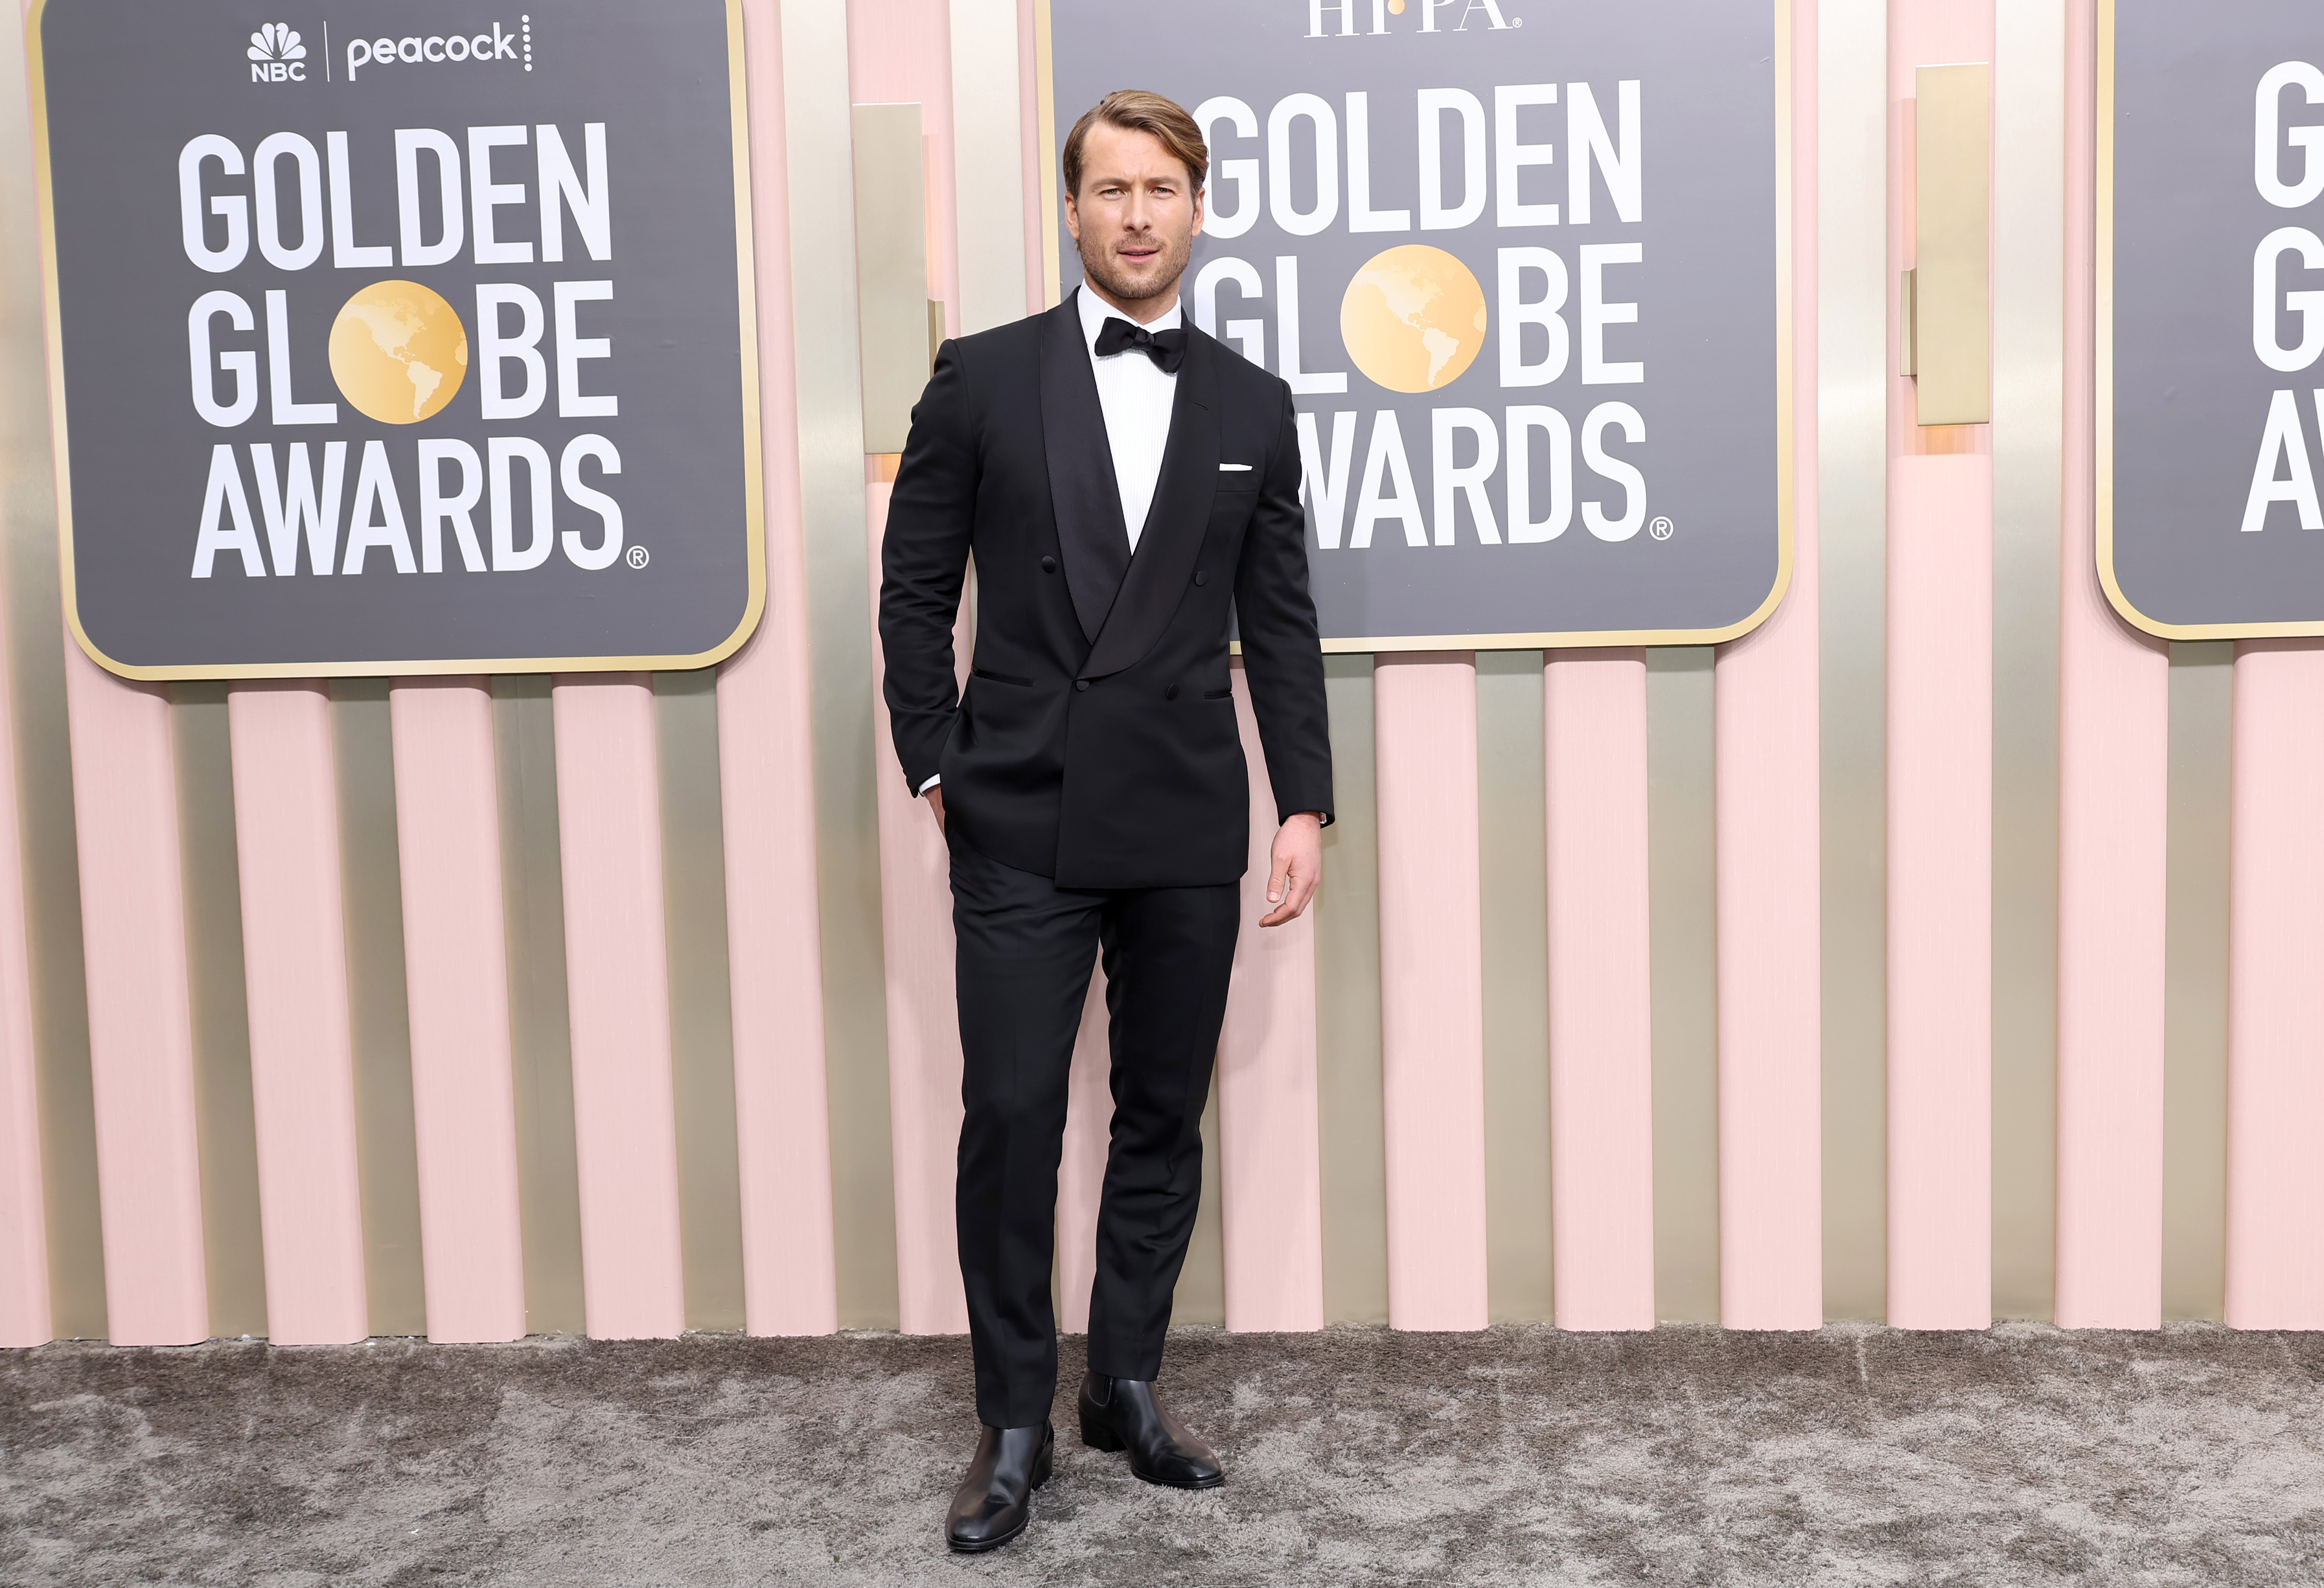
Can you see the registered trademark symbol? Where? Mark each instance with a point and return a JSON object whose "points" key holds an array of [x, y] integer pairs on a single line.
{"points": [[1662, 528], [638, 555]]}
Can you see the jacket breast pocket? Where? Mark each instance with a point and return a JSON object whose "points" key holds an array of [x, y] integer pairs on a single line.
{"points": [[1232, 505]]}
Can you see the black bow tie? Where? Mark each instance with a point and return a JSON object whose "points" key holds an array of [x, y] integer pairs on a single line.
{"points": [[1168, 349]]}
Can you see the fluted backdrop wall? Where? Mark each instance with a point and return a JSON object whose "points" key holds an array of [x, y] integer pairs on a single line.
{"points": [[1876, 965]]}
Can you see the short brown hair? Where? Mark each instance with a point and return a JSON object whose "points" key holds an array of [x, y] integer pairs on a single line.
{"points": [[1138, 111]]}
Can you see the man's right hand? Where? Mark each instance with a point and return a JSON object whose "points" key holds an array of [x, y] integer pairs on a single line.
{"points": [[935, 797]]}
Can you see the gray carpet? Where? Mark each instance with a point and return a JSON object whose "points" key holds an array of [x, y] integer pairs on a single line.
{"points": [[2023, 1456]]}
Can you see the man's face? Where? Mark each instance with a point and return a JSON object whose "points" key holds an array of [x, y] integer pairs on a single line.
{"points": [[1137, 215]]}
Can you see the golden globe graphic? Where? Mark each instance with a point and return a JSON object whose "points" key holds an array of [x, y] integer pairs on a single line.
{"points": [[1413, 319], [399, 352]]}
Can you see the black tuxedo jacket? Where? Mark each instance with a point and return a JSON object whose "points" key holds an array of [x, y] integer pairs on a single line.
{"points": [[1096, 742]]}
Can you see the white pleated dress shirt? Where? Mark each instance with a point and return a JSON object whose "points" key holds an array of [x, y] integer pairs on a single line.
{"points": [[1136, 398]]}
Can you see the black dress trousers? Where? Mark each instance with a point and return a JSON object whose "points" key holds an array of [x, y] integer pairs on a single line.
{"points": [[1025, 949]]}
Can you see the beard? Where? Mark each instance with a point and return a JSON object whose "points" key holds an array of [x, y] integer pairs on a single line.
{"points": [[1100, 264]]}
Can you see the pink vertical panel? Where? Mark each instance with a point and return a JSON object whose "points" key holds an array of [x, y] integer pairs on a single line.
{"points": [[455, 980], [2113, 796], [617, 974], [1940, 892], [1602, 1146], [774, 946], [900, 51], [23, 1216], [1769, 862], [1939, 771], [302, 1084], [766, 774], [2275, 995], [141, 1042], [1081, 1168], [924, 1110], [1432, 990], [1270, 1173]]}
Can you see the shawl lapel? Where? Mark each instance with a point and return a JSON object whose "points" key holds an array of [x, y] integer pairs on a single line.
{"points": [[1172, 538], [1091, 538]]}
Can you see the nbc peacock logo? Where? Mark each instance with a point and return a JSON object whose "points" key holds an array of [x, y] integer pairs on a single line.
{"points": [[277, 55]]}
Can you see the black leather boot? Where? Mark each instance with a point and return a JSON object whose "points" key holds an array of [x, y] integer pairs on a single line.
{"points": [[995, 1501], [1121, 1414]]}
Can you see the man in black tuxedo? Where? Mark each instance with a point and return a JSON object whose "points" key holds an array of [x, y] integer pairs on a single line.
{"points": [[1127, 486]]}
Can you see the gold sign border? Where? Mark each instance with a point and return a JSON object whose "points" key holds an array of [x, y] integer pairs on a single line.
{"points": [[754, 483], [1785, 483], [2102, 388]]}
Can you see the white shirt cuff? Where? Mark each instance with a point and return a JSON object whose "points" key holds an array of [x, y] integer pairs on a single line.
{"points": [[931, 783]]}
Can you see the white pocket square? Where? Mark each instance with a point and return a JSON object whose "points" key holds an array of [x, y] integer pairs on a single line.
{"points": [[1234, 468]]}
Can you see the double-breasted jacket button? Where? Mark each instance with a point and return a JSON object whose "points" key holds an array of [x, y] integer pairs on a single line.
{"points": [[1171, 693], [1081, 683], [1202, 576], [1048, 564]]}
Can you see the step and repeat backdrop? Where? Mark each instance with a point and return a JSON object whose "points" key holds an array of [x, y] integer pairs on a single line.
{"points": [[423, 337], [396, 338], [2211, 149], [1519, 262]]}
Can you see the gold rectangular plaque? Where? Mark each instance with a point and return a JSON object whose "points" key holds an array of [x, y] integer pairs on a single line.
{"points": [[891, 269], [1950, 306]]}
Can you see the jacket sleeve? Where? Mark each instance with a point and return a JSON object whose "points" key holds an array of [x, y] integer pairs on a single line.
{"points": [[1283, 661], [923, 563]]}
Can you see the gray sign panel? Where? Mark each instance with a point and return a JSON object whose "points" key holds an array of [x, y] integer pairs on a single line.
{"points": [[2210, 523], [1519, 260], [406, 337]]}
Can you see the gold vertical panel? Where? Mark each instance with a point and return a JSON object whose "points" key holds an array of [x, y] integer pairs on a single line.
{"points": [[701, 1014], [532, 882], [1853, 286], [1515, 878], [817, 126], [2195, 978], [387, 1145], [228, 1125], [49, 847], [891, 269], [1351, 1122], [1952, 243], [2028, 469], [28, 522], [1684, 956]]}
